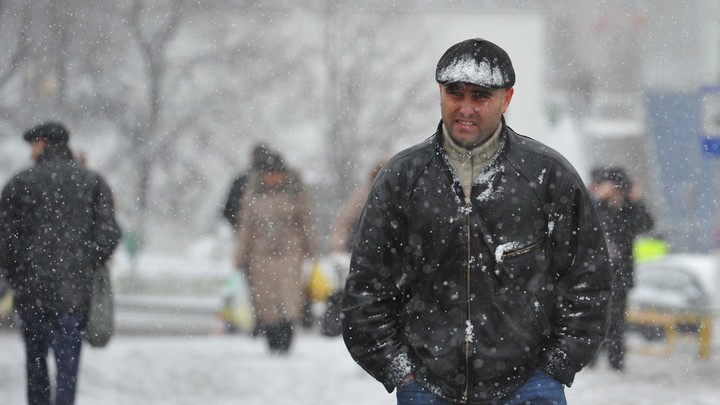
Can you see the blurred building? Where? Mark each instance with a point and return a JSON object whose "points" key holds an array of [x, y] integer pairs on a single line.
{"points": [[633, 73]]}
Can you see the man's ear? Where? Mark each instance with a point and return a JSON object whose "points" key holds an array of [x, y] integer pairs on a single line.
{"points": [[507, 97]]}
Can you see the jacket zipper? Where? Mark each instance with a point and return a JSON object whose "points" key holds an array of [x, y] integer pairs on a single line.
{"points": [[469, 305]]}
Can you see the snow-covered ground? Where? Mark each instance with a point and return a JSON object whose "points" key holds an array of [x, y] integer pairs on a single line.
{"points": [[219, 370], [155, 363]]}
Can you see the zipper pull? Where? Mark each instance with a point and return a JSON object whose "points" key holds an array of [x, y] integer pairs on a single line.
{"points": [[467, 209]]}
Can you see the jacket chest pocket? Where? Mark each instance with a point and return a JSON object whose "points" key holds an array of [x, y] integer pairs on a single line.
{"points": [[521, 265]]}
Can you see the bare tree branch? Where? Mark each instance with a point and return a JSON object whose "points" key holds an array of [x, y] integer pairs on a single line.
{"points": [[21, 46]]}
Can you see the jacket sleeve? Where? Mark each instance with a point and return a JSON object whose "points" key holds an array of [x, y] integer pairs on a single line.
{"points": [[372, 298], [106, 229], [640, 218], [232, 204], [8, 233], [579, 261]]}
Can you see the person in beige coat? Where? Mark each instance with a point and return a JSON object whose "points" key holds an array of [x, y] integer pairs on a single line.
{"points": [[274, 238], [343, 232]]}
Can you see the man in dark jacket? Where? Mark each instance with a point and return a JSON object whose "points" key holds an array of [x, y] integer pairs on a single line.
{"points": [[479, 274], [231, 210], [623, 216], [57, 225]]}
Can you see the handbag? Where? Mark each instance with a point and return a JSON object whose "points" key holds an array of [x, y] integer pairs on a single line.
{"points": [[331, 324], [100, 318]]}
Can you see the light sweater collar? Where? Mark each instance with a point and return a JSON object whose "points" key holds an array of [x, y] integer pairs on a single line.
{"points": [[467, 164]]}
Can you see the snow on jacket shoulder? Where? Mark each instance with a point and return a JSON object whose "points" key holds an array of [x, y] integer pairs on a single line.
{"points": [[473, 295]]}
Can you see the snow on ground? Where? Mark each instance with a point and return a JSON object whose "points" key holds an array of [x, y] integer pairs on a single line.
{"points": [[206, 370], [150, 362], [215, 370]]}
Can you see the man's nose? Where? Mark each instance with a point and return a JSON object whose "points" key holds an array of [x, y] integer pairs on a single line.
{"points": [[467, 107]]}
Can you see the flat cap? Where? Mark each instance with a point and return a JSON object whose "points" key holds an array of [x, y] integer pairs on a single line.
{"points": [[476, 61], [51, 132]]}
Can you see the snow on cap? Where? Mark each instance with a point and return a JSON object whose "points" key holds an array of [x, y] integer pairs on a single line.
{"points": [[476, 61]]}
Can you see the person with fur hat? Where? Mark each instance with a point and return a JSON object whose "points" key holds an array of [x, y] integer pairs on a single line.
{"points": [[57, 225], [275, 235], [624, 217], [479, 273]]}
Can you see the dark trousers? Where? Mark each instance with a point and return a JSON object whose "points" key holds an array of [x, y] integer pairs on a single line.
{"points": [[615, 339], [540, 389], [63, 334]]}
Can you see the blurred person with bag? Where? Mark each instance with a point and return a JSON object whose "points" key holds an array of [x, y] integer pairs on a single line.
{"points": [[275, 236], [235, 313], [58, 226], [342, 239], [479, 273], [624, 217]]}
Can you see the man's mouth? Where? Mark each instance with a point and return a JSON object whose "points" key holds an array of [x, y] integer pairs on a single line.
{"points": [[467, 124]]}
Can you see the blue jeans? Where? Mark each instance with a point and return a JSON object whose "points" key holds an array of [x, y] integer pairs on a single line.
{"points": [[63, 334], [539, 389]]}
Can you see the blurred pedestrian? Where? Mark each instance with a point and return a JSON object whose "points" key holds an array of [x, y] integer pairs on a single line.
{"points": [[274, 237], [231, 210], [342, 239], [228, 313], [624, 217], [58, 224], [342, 236], [479, 272]]}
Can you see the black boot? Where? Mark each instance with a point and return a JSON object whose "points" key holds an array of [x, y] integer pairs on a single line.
{"points": [[285, 335], [271, 333], [258, 330], [279, 336]]}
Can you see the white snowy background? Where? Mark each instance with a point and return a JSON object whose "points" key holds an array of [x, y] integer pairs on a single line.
{"points": [[357, 84]]}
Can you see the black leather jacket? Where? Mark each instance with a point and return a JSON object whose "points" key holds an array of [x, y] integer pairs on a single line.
{"points": [[472, 297]]}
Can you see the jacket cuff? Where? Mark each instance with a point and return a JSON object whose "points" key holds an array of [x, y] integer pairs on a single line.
{"points": [[396, 371], [559, 365]]}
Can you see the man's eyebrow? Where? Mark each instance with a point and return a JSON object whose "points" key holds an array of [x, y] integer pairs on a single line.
{"points": [[483, 91], [453, 86]]}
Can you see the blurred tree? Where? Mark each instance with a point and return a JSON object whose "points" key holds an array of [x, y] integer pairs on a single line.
{"points": [[371, 81], [17, 44]]}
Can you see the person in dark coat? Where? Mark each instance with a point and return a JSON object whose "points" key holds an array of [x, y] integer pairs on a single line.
{"points": [[57, 225], [232, 203], [479, 273], [231, 210], [624, 216]]}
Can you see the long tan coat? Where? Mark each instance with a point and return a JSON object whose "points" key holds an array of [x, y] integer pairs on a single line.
{"points": [[275, 235], [342, 235]]}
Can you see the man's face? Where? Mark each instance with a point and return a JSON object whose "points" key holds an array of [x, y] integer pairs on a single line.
{"points": [[36, 149], [273, 178], [472, 113], [610, 192]]}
